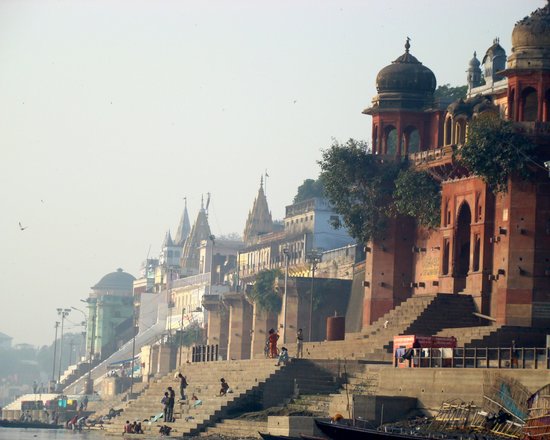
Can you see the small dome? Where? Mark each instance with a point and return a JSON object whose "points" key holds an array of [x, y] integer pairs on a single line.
{"points": [[474, 62], [406, 74], [118, 280], [531, 40]]}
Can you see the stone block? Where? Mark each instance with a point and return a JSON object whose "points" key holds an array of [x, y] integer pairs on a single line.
{"points": [[292, 426]]}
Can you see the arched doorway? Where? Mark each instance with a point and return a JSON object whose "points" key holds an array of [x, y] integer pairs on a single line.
{"points": [[391, 141], [529, 105], [462, 249]]}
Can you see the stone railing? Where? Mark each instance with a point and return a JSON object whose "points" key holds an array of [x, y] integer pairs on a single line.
{"points": [[205, 353], [435, 154], [484, 357]]}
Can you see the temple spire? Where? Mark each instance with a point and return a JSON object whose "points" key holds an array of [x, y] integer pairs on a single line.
{"points": [[259, 218], [184, 227]]}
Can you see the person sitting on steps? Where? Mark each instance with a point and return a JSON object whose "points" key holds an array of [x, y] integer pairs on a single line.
{"points": [[224, 387], [283, 357]]}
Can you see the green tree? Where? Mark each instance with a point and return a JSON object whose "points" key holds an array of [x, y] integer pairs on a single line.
{"points": [[418, 195], [264, 293], [309, 189], [192, 334], [494, 150], [360, 187], [449, 93]]}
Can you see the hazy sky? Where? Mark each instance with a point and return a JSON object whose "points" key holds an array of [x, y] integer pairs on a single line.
{"points": [[112, 111]]}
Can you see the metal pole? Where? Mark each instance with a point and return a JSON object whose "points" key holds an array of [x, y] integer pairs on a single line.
{"points": [[89, 382], [63, 313], [181, 333], [54, 350], [213, 238], [133, 352], [311, 300]]}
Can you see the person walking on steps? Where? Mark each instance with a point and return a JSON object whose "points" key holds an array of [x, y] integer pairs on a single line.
{"points": [[299, 343], [273, 338], [183, 385], [171, 402], [165, 406]]}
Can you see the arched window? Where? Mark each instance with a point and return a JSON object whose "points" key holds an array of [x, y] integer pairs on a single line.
{"points": [[546, 115], [448, 130], [375, 140], [411, 140], [391, 140], [460, 131], [529, 104], [477, 252], [446, 252], [512, 105]]}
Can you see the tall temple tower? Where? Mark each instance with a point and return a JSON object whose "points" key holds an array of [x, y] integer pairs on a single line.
{"points": [[259, 219], [184, 228], [190, 259]]}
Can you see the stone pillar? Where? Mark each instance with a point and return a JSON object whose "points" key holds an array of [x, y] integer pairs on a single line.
{"points": [[218, 323], [388, 270], [262, 322], [166, 359], [240, 326]]}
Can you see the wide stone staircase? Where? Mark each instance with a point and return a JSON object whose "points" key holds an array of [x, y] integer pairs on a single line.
{"points": [[422, 315], [496, 335], [311, 394], [246, 379]]}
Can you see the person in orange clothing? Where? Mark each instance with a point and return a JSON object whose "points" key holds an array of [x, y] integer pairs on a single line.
{"points": [[273, 338]]}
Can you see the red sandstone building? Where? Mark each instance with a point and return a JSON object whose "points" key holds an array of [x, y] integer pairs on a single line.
{"points": [[495, 247]]}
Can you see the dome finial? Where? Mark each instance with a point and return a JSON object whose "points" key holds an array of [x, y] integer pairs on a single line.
{"points": [[408, 44], [475, 52], [262, 181]]}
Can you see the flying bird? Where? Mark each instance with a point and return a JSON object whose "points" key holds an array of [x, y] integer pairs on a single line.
{"points": [[22, 227]]}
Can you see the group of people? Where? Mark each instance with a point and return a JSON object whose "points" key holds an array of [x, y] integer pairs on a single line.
{"points": [[273, 352], [133, 428], [168, 402]]}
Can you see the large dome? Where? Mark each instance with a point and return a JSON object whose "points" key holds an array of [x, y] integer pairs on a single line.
{"points": [[531, 41], [404, 84], [119, 280], [406, 74]]}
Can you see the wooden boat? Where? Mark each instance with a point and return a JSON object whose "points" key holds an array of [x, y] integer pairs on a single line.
{"points": [[340, 431], [33, 425], [267, 436], [537, 425]]}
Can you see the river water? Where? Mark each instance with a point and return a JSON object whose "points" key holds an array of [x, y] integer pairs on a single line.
{"points": [[47, 434]]}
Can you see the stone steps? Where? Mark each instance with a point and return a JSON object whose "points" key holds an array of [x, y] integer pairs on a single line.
{"points": [[203, 379], [237, 428]]}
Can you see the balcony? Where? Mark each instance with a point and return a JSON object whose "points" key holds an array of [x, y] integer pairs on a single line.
{"points": [[432, 158]]}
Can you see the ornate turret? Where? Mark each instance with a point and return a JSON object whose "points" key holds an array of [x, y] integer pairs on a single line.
{"points": [[190, 260], [474, 73], [184, 227], [494, 62], [404, 84], [259, 219]]}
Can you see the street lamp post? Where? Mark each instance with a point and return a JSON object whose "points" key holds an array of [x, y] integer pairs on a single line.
{"points": [[89, 384], [314, 258], [213, 238], [133, 351], [286, 254], [83, 324], [63, 313], [52, 387], [181, 333]]}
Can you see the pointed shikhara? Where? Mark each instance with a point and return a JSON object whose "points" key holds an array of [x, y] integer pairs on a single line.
{"points": [[537, 425]]}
